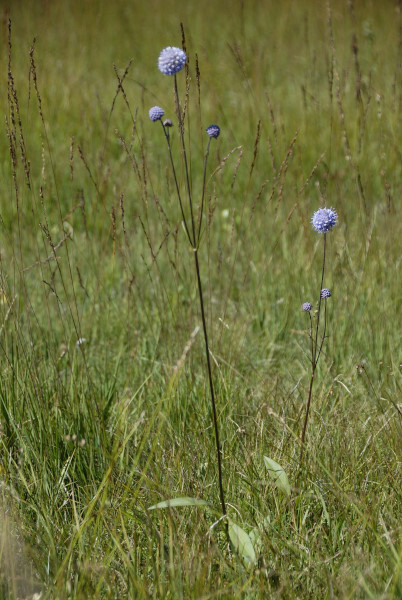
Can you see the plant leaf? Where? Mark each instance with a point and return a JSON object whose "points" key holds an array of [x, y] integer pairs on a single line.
{"points": [[256, 539], [184, 501], [278, 475], [242, 543]]}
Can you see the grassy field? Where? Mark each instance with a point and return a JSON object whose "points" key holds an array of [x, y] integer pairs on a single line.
{"points": [[104, 400]]}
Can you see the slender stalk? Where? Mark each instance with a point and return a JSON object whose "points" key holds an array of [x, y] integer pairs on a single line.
{"points": [[319, 301], [183, 147], [310, 391], [324, 332], [167, 136], [203, 190], [193, 234], [315, 354], [211, 385]]}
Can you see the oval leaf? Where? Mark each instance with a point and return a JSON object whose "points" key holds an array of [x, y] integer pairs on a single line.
{"points": [[256, 539], [242, 543], [278, 475], [185, 501]]}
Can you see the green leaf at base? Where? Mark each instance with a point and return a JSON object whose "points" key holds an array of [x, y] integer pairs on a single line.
{"points": [[242, 543], [278, 475]]}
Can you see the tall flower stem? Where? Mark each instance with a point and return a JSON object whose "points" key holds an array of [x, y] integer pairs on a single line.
{"points": [[193, 233], [315, 354], [211, 385]]}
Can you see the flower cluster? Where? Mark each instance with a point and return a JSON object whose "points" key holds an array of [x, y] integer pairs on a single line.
{"points": [[213, 131], [171, 60], [156, 113], [325, 293], [324, 219], [307, 306]]}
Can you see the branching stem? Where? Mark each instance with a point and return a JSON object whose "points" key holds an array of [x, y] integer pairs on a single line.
{"points": [[315, 354], [193, 233]]}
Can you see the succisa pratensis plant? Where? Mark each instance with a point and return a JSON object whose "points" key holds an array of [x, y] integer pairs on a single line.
{"points": [[323, 220], [171, 61]]}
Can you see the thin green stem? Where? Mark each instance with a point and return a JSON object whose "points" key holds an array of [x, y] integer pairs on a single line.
{"points": [[203, 191], [303, 435], [315, 354], [311, 338], [167, 137], [211, 385], [325, 329], [319, 301], [193, 237], [183, 148]]}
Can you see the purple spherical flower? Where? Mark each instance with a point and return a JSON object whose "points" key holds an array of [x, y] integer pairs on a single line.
{"points": [[171, 60], [324, 219], [307, 306], [213, 131], [156, 113], [325, 293]]}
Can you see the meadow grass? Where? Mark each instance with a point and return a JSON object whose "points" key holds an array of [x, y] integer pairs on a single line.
{"points": [[104, 406]]}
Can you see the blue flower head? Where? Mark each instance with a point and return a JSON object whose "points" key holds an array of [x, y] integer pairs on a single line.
{"points": [[307, 306], [171, 60], [324, 219], [325, 293], [213, 131], [156, 113]]}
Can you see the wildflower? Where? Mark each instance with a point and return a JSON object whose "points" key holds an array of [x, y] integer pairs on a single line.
{"points": [[213, 131], [156, 113], [325, 293], [171, 60], [168, 123], [307, 306], [324, 219]]}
